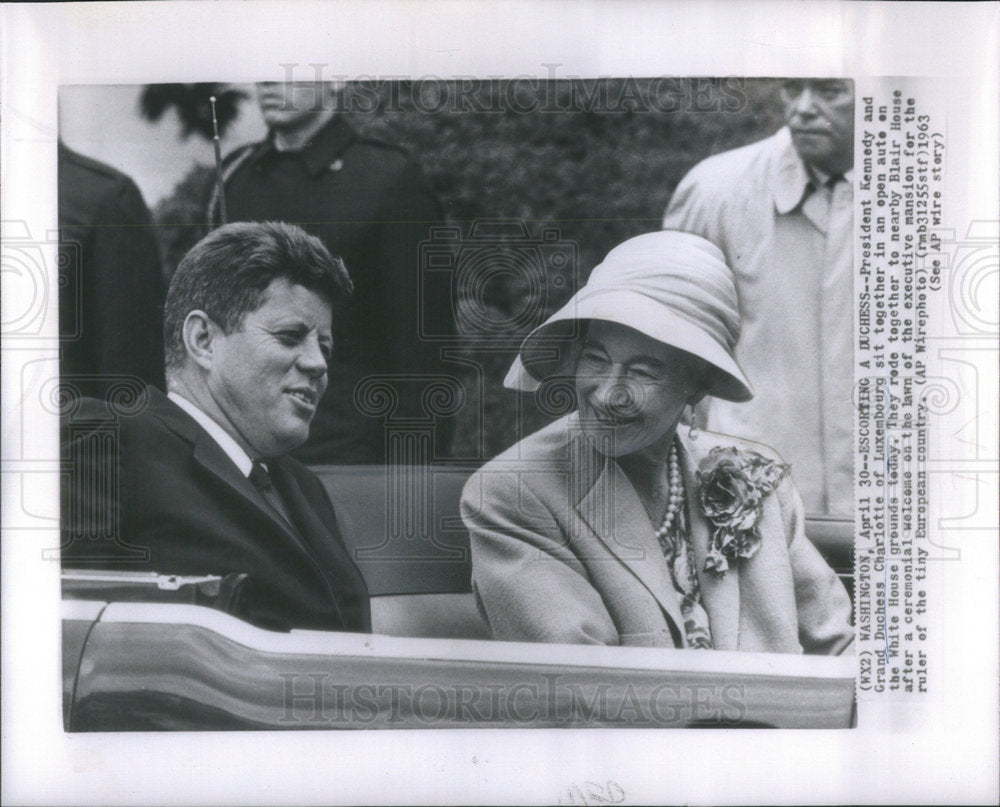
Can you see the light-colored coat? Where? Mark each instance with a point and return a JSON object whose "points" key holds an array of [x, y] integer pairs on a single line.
{"points": [[792, 252], [563, 551]]}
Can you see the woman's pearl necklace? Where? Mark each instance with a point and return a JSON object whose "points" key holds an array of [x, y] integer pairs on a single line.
{"points": [[676, 494]]}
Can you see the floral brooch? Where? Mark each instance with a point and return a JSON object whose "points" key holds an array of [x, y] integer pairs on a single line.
{"points": [[732, 485]]}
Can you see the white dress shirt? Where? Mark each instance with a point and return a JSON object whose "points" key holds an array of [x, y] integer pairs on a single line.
{"points": [[217, 433]]}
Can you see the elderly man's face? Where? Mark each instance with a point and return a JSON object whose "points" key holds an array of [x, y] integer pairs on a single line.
{"points": [[290, 104], [268, 376], [820, 114]]}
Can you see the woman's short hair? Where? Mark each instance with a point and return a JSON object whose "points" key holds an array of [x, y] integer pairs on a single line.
{"points": [[226, 273]]}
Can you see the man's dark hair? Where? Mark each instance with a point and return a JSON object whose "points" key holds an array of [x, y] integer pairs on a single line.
{"points": [[226, 273]]}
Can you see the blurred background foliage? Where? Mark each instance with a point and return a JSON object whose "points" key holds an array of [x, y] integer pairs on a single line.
{"points": [[193, 105], [595, 159]]}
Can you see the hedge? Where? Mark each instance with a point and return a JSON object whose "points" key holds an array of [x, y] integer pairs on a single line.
{"points": [[597, 160]]}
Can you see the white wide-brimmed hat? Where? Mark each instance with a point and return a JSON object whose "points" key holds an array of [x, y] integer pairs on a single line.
{"points": [[674, 287]]}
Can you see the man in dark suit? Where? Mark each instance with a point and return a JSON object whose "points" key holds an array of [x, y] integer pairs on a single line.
{"points": [[196, 482], [367, 200]]}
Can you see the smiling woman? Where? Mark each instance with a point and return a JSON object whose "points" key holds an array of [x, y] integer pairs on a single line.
{"points": [[611, 526], [632, 389]]}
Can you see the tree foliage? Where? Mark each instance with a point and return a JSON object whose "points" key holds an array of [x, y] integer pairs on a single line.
{"points": [[595, 160], [193, 106]]}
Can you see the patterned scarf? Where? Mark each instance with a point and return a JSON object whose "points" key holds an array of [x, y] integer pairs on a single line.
{"points": [[676, 545]]}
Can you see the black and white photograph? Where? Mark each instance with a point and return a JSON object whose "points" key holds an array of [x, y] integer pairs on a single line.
{"points": [[493, 411], [396, 406]]}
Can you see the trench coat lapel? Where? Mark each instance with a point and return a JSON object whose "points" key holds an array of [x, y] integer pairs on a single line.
{"points": [[614, 513], [793, 187], [720, 596]]}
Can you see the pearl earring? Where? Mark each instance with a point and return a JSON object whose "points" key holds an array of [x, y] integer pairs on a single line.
{"points": [[693, 428]]}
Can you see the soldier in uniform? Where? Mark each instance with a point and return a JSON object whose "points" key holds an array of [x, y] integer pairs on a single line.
{"points": [[110, 286], [368, 202]]}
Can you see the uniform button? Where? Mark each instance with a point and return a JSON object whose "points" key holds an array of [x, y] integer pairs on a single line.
{"points": [[336, 165]]}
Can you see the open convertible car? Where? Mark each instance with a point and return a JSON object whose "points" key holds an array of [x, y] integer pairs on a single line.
{"points": [[145, 651]]}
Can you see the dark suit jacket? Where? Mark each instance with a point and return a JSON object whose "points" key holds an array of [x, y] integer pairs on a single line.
{"points": [[152, 491], [368, 202], [111, 287]]}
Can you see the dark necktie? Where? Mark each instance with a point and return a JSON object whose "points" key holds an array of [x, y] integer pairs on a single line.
{"points": [[828, 185], [261, 480]]}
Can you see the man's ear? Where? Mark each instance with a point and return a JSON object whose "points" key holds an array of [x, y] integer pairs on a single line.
{"points": [[200, 338]]}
